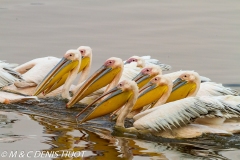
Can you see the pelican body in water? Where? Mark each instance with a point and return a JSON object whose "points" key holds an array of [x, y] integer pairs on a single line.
{"points": [[186, 85], [171, 120], [71, 62], [66, 70], [34, 71]]}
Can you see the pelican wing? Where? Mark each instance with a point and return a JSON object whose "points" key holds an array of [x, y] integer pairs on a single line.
{"points": [[178, 113], [7, 74], [148, 61], [215, 89], [130, 71]]}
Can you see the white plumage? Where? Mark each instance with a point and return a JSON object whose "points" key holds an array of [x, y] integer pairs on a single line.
{"points": [[7, 74], [149, 61], [7, 77], [35, 70], [130, 71], [215, 89], [177, 113]]}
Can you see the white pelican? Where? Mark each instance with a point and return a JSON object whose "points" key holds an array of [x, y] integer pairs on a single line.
{"points": [[146, 74], [189, 84], [170, 120], [146, 61], [109, 74], [71, 63], [155, 92], [34, 71]]}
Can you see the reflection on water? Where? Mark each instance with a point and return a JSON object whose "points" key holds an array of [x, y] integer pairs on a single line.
{"points": [[52, 136]]}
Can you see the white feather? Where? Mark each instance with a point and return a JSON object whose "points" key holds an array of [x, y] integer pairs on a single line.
{"points": [[36, 69], [185, 110], [7, 74], [215, 89], [149, 61]]}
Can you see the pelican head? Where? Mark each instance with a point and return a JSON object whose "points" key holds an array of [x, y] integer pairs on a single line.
{"points": [[86, 53], [140, 61], [109, 73], [125, 92], [58, 75], [146, 74], [156, 91], [187, 85]]}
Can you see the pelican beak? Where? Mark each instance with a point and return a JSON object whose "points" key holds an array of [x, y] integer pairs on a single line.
{"points": [[178, 83], [150, 93], [142, 79], [116, 98], [127, 62], [56, 76], [85, 62], [99, 79], [181, 89]]}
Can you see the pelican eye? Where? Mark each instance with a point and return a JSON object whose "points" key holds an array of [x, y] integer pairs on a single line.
{"points": [[155, 79], [70, 55]]}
